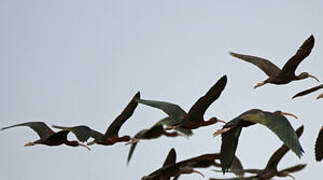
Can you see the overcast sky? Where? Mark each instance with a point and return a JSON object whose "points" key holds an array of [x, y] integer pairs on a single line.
{"points": [[80, 62]]}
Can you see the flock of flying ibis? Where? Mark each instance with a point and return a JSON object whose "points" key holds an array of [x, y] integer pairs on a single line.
{"points": [[178, 122]]}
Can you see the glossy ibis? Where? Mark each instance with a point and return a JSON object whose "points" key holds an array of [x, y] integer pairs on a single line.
{"points": [[271, 168], [152, 133], [83, 133], [319, 146], [48, 136], [276, 122], [308, 91], [173, 169], [287, 73], [208, 160], [177, 117]]}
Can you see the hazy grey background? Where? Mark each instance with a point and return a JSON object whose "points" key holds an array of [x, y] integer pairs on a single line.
{"points": [[80, 62]]}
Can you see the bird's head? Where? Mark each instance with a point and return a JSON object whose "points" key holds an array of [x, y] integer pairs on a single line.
{"points": [[305, 75], [214, 120]]}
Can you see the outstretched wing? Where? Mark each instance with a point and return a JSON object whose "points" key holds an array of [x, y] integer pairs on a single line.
{"points": [[139, 135], [283, 129], [229, 146], [198, 109], [265, 65], [83, 133], [172, 110], [114, 128], [171, 158], [305, 50], [279, 153], [39, 127], [319, 146], [305, 92]]}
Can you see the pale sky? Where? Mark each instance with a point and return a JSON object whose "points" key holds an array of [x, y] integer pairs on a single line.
{"points": [[80, 62]]}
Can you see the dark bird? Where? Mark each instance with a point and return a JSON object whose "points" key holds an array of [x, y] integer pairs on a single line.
{"points": [[47, 136], [276, 122], [183, 167], [282, 173], [319, 146], [178, 118], [153, 133], [187, 167], [287, 73], [208, 160], [271, 169], [111, 136], [308, 91]]}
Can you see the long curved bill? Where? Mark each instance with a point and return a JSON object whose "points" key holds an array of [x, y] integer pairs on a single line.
{"points": [[29, 144], [220, 120], [289, 114], [83, 145], [221, 131], [311, 76], [320, 96]]}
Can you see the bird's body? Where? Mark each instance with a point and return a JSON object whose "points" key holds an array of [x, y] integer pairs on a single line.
{"points": [[110, 137], [271, 169], [287, 73], [47, 136], [194, 118], [319, 146], [274, 121], [308, 91]]}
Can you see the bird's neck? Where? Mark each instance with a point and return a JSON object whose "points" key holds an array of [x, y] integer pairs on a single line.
{"points": [[71, 143]]}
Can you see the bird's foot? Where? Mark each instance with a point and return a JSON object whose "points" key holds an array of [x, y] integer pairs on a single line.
{"points": [[132, 141], [221, 131], [84, 145], [29, 144], [258, 85]]}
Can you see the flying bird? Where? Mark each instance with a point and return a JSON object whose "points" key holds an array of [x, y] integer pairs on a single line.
{"points": [[319, 146], [287, 73], [153, 133], [178, 118], [271, 168], [170, 169], [48, 136], [111, 136], [308, 91], [208, 160], [276, 122]]}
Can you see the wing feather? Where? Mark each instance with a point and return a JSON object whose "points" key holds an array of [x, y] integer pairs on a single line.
{"points": [[115, 126], [39, 127], [265, 65]]}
